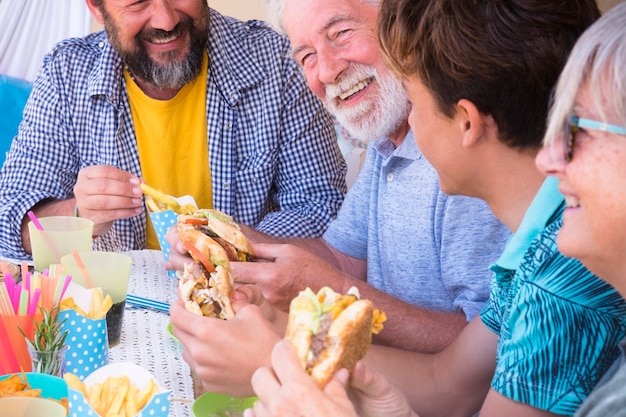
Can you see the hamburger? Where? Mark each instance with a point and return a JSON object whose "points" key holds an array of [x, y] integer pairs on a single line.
{"points": [[213, 239], [330, 331]]}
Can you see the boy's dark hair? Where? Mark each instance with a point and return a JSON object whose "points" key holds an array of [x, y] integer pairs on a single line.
{"points": [[505, 56]]}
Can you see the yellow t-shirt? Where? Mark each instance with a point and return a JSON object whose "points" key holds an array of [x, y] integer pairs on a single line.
{"points": [[172, 142]]}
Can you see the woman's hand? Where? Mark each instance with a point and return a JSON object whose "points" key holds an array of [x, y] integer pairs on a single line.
{"points": [[285, 389]]}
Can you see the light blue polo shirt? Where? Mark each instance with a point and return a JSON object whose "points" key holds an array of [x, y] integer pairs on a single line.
{"points": [[421, 245]]}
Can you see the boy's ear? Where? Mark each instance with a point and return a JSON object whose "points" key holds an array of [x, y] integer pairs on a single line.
{"points": [[471, 122], [95, 11]]}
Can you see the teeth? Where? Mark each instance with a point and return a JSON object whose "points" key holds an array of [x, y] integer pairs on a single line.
{"points": [[360, 86], [571, 202], [164, 40]]}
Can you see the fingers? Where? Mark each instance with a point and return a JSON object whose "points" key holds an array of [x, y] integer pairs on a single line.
{"points": [[105, 193], [178, 254]]}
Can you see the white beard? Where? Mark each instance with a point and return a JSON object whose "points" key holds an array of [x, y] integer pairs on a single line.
{"points": [[376, 116]]}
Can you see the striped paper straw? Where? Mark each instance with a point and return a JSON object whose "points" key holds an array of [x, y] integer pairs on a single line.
{"points": [[147, 303]]}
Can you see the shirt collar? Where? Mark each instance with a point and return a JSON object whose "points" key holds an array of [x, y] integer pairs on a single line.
{"points": [[408, 148], [546, 202]]}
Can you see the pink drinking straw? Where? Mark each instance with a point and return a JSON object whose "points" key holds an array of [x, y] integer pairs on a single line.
{"points": [[66, 284], [32, 305], [45, 236], [83, 270]]}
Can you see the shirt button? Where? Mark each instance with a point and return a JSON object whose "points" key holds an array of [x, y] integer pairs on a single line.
{"points": [[233, 94], [255, 180], [226, 185], [229, 125], [247, 27], [101, 45], [390, 177]]}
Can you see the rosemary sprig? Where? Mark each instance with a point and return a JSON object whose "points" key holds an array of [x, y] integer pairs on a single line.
{"points": [[48, 340]]}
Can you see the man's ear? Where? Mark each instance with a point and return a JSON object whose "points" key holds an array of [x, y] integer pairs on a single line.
{"points": [[95, 11], [471, 122]]}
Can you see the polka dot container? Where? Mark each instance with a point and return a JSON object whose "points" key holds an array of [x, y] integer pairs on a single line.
{"points": [[88, 345], [158, 406], [161, 222]]}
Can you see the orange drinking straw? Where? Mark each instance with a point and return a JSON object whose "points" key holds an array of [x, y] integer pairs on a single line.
{"points": [[83, 270]]}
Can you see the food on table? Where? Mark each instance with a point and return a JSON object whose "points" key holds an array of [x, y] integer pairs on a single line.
{"points": [[157, 200], [18, 386], [98, 309], [331, 331], [116, 395], [212, 239]]}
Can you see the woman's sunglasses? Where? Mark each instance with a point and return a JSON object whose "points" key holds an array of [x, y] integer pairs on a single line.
{"points": [[574, 123]]}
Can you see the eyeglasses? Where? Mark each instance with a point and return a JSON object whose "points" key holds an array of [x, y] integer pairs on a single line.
{"points": [[574, 123]]}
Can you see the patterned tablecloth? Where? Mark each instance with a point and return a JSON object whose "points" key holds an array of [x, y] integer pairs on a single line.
{"points": [[145, 340]]}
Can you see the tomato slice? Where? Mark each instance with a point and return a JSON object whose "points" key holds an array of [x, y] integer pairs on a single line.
{"points": [[197, 255], [196, 220]]}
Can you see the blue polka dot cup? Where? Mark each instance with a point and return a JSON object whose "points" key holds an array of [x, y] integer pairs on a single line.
{"points": [[157, 406], [87, 343], [162, 221]]}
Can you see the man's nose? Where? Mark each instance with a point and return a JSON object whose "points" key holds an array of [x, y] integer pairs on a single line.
{"points": [[164, 15], [330, 65]]}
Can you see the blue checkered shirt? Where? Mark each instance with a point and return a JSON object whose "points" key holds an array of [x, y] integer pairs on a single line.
{"points": [[274, 159]]}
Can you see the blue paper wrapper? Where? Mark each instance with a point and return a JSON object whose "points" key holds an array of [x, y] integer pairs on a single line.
{"points": [[158, 405], [162, 221], [87, 342]]}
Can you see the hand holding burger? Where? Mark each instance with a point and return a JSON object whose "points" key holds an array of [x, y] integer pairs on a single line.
{"points": [[331, 331], [212, 239]]}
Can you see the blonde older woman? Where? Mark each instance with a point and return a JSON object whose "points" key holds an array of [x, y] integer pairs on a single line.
{"points": [[586, 150]]}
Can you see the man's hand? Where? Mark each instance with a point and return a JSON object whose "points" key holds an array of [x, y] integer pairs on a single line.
{"points": [[104, 194], [225, 353], [179, 256], [290, 269]]}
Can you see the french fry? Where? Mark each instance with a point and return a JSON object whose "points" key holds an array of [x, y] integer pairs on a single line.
{"points": [[152, 205], [146, 393], [118, 393], [99, 305], [69, 304], [75, 383], [115, 396], [160, 197], [130, 406], [95, 397]]}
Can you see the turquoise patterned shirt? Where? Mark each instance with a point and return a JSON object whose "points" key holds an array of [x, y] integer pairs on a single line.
{"points": [[558, 324]]}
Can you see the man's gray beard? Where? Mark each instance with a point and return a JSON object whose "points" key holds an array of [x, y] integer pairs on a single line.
{"points": [[375, 117]]}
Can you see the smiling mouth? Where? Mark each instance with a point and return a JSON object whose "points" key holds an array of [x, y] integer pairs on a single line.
{"points": [[163, 39], [355, 89], [572, 202]]}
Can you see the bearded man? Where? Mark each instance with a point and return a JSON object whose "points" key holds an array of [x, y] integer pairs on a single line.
{"points": [[421, 256], [193, 103]]}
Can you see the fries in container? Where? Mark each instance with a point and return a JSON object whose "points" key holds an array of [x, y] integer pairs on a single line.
{"points": [[117, 390]]}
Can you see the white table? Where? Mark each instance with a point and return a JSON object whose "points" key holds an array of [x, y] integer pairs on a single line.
{"points": [[145, 340]]}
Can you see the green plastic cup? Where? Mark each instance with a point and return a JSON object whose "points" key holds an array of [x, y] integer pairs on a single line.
{"points": [[60, 235]]}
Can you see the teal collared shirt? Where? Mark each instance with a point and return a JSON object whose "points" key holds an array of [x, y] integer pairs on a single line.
{"points": [[558, 325]]}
